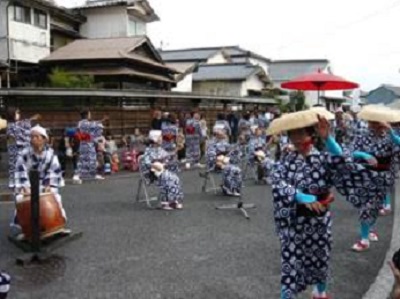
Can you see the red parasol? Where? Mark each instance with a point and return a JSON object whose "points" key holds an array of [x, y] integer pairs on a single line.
{"points": [[319, 81]]}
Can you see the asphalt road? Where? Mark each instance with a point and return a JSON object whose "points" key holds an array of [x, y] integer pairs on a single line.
{"points": [[128, 251]]}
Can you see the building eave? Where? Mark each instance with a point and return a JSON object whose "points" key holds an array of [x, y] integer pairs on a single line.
{"points": [[101, 93]]}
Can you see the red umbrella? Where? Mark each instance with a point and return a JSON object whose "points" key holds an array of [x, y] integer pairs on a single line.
{"points": [[319, 81]]}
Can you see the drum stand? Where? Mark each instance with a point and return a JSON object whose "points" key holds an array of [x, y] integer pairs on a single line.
{"points": [[238, 206], [34, 251]]}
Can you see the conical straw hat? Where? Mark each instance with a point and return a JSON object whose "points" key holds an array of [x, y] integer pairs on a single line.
{"points": [[396, 115], [292, 121], [378, 113], [323, 112]]}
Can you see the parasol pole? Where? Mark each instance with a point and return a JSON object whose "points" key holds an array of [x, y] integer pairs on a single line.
{"points": [[318, 95]]}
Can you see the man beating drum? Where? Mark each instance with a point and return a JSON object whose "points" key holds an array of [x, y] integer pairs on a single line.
{"points": [[39, 156]]}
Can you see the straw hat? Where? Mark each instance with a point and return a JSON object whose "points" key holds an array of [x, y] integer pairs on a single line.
{"points": [[396, 116], [324, 112], [378, 113], [295, 120]]}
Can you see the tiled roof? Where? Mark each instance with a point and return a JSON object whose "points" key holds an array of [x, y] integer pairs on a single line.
{"points": [[188, 55], [216, 72], [202, 54], [104, 48], [285, 70]]}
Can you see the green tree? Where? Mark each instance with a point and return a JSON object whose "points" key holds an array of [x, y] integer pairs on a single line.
{"points": [[64, 79], [298, 100]]}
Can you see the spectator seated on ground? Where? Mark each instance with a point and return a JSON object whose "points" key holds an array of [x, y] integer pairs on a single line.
{"points": [[111, 145], [114, 162]]}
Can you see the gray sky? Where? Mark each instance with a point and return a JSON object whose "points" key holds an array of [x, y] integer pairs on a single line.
{"points": [[357, 36]]}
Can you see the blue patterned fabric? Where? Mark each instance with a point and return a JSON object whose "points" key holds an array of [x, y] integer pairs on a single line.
{"points": [[18, 138], [222, 125], [87, 163], [257, 143], [214, 149], [193, 135], [170, 187], [231, 179], [379, 147], [156, 154], [46, 163], [245, 128], [169, 135], [50, 174], [306, 241], [5, 281]]}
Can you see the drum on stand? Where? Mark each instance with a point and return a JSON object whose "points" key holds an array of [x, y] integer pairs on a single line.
{"points": [[51, 220]]}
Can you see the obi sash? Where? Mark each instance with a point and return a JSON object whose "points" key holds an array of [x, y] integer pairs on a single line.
{"points": [[85, 137], [169, 137], [190, 130], [324, 198]]}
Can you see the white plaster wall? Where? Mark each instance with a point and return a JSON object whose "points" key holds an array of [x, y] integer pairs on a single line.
{"points": [[223, 88], [260, 63], [3, 30], [218, 58], [253, 82], [28, 43], [105, 22], [185, 85]]}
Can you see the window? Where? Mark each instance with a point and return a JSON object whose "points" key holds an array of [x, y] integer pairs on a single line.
{"points": [[22, 14], [136, 28], [40, 19]]}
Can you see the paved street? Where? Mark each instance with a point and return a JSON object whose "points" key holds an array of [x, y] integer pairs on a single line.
{"points": [[128, 251]]}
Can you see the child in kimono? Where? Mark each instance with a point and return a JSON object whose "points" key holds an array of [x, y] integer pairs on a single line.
{"points": [[169, 184], [301, 188]]}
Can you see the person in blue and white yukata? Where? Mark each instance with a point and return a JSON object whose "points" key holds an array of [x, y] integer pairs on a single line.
{"points": [[356, 125], [88, 131], [245, 125], [222, 124], [41, 157], [301, 189], [170, 131], [258, 152], [231, 176], [169, 184], [193, 138], [376, 146], [18, 138], [155, 153], [218, 145]]}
